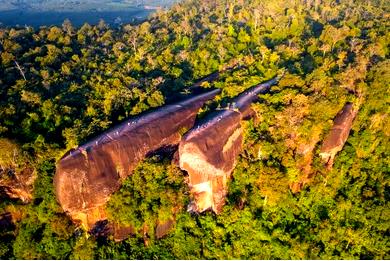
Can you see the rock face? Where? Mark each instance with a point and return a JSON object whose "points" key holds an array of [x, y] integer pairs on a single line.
{"points": [[163, 228], [338, 135], [209, 151], [17, 176], [105, 229], [122, 232], [17, 185], [6, 222], [88, 175]]}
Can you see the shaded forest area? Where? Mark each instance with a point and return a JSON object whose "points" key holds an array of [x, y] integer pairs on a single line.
{"points": [[60, 86]]}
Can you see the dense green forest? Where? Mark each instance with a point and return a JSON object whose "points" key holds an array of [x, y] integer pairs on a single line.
{"points": [[60, 86]]}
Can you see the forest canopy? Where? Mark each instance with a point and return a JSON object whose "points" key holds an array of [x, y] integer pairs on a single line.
{"points": [[60, 86]]}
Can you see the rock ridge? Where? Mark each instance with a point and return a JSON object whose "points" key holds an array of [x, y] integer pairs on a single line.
{"points": [[87, 176], [209, 151]]}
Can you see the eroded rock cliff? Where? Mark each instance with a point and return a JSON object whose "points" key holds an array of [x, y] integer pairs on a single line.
{"points": [[210, 150], [208, 153], [87, 176], [338, 135]]}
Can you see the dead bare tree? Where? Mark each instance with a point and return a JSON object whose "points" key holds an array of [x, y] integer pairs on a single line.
{"points": [[20, 70]]}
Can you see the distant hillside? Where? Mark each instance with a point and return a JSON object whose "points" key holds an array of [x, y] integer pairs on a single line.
{"points": [[85, 5], [50, 12]]}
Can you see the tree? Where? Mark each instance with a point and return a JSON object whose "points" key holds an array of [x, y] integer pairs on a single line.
{"points": [[68, 27]]}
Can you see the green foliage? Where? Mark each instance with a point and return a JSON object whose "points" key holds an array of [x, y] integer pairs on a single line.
{"points": [[154, 192]]}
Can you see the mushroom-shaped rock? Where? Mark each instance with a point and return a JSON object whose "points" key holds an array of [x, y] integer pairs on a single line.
{"points": [[86, 177], [338, 135], [209, 151]]}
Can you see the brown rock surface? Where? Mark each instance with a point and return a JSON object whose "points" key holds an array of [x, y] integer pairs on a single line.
{"points": [[209, 151], [122, 232], [338, 135], [17, 177], [87, 176], [6, 222], [104, 229], [163, 228], [16, 185]]}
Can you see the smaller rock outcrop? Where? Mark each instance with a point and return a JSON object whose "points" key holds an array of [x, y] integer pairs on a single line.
{"points": [[163, 228], [338, 135], [209, 151], [305, 153], [105, 229], [17, 177], [6, 222], [17, 185], [122, 232]]}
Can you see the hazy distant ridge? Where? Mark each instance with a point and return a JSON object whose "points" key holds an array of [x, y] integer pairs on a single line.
{"points": [[77, 5]]}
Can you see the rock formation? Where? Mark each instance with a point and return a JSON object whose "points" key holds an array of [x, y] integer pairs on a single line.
{"points": [[6, 222], [17, 177], [338, 135], [16, 185], [87, 176], [304, 164], [209, 151], [117, 232], [163, 228]]}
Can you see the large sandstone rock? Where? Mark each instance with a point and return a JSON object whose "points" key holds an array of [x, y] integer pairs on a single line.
{"points": [[208, 153], [88, 175], [338, 135], [210, 150]]}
